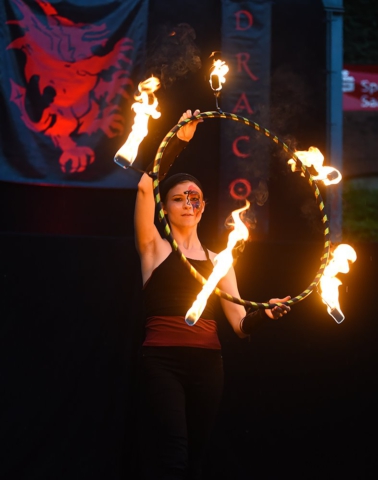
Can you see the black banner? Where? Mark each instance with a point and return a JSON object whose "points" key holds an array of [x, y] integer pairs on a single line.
{"points": [[69, 72], [246, 30]]}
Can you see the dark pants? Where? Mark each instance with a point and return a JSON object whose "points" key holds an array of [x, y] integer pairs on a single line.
{"points": [[181, 389]]}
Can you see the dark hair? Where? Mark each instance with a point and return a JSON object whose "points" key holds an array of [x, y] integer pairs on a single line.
{"points": [[168, 183]]}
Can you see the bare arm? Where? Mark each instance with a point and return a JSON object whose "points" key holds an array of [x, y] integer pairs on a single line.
{"points": [[146, 233], [235, 312], [148, 241]]}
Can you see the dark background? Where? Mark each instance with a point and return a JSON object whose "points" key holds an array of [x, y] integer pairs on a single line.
{"points": [[300, 397]]}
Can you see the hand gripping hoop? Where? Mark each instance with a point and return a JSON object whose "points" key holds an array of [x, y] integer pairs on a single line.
{"points": [[326, 249]]}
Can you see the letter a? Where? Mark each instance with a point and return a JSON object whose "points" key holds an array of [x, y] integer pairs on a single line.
{"points": [[242, 104]]}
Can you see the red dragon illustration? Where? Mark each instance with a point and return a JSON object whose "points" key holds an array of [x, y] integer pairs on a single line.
{"points": [[72, 90]]}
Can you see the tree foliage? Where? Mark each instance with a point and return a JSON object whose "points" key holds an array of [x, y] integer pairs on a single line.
{"points": [[361, 32]]}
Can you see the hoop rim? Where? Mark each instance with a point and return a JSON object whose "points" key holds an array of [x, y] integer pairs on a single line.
{"points": [[326, 233]]}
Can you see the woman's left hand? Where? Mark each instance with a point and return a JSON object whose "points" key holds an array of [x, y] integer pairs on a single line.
{"points": [[278, 311], [187, 131]]}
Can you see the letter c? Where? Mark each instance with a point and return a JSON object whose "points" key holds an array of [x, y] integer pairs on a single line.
{"points": [[235, 148]]}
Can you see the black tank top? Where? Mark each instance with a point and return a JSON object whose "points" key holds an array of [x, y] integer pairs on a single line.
{"points": [[172, 289]]}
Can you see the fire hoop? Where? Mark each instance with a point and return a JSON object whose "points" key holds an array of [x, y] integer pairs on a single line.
{"points": [[326, 249]]}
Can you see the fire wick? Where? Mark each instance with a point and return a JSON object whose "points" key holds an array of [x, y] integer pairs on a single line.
{"points": [[216, 102], [216, 86], [334, 312]]}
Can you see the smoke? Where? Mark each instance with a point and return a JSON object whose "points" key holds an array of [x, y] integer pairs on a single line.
{"points": [[261, 193], [291, 101], [173, 54], [291, 108], [310, 212]]}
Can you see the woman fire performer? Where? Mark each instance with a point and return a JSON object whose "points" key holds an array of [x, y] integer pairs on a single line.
{"points": [[181, 370]]}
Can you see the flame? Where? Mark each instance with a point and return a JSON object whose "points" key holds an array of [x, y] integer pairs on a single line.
{"points": [[313, 157], [144, 108], [222, 263], [217, 75], [329, 284]]}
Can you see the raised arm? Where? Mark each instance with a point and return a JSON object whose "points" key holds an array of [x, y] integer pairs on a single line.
{"points": [[147, 237], [146, 232]]}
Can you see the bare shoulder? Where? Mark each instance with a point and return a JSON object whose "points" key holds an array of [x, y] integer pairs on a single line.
{"points": [[163, 249], [212, 255], [153, 257]]}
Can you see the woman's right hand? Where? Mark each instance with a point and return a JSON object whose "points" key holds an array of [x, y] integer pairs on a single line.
{"points": [[278, 311], [187, 131]]}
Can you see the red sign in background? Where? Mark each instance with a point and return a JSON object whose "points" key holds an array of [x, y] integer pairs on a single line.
{"points": [[360, 87]]}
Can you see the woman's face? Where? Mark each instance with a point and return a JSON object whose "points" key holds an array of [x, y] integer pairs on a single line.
{"points": [[184, 204]]}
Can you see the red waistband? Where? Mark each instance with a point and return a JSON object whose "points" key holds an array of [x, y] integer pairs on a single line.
{"points": [[175, 332]]}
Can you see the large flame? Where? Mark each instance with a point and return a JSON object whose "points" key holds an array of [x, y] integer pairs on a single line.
{"points": [[217, 75], [144, 108], [222, 263], [329, 283], [314, 158]]}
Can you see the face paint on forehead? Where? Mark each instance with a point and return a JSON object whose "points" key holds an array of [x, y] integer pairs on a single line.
{"points": [[193, 197]]}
